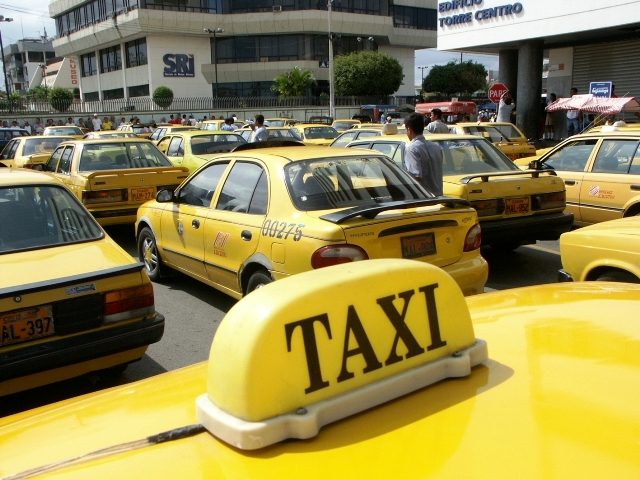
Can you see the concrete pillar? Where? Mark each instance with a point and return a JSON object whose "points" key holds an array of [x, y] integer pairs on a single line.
{"points": [[509, 70], [529, 88]]}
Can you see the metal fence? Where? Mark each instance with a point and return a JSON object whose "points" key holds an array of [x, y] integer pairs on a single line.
{"points": [[188, 104]]}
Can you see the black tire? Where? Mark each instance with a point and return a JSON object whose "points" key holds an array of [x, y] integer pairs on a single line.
{"points": [[618, 276], [506, 246], [258, 280], [148, 254]]}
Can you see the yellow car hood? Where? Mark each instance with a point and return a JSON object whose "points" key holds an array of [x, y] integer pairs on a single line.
{"points": [[622, 226], [65, 261]]}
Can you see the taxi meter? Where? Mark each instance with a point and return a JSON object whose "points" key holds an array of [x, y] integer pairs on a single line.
{"points": [[294, 356]]}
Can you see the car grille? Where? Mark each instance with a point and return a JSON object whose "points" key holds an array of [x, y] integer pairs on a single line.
{"points": [[79, 314]]}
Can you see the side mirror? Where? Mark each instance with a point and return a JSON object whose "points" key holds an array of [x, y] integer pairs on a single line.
{"points": [[164, 196], [535, 165]]}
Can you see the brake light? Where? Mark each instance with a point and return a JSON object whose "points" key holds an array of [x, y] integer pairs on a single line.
{"points": [[487, 208], [128, 303], [104, 196], [473, 240], [548, 200], [337, 254]]}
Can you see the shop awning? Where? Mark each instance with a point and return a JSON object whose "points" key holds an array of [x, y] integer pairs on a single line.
{"points": [[591, 104]]}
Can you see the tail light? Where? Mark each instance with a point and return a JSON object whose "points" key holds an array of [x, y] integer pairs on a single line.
{"points": [[128, 303], [487, 208], [90, 197], [336, 254], [547, 201], [473, 240]]}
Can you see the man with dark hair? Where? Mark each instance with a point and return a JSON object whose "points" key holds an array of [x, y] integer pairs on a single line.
{"points": [[573, 125], [436, 125], [260, 133], [228, 125], [422, 159]]}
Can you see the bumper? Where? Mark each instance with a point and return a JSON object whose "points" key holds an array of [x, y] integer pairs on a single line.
{"points": [[80, 348], [526, 229], [470, 273], [115, 216], [564, 276]]}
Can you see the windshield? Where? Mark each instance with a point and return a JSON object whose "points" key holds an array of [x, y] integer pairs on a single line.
{"points": [[349, 182], [64, 131], [467, 157], [116, 156], [214, 143], [511, 131], [320, 132], [42, 145], [283, 133], [137, 129], [43, 216]]}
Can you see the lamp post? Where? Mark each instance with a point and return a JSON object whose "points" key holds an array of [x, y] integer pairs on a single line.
{"points": [[332, 98], [4, 67], [215, 53], [370, 39]]}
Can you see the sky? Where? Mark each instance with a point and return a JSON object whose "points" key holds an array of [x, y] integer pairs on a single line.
{"points": [[430, 57]]}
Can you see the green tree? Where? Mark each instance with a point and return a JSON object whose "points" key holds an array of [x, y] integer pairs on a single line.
{"points": [[41, 92], [366, 73], [61, 98], [294, 83], [163, 96], [456, 78]]}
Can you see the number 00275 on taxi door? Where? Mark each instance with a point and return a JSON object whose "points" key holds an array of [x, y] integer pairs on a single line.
{"points": [[418, 245], [26, 324]]}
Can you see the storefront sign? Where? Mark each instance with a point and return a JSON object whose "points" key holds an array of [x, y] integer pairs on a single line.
{"points": [[465, 18], [600, 89], [74, 71], [179, 65]]}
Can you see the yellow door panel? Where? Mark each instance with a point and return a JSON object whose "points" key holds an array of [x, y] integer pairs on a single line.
{"points": [[182, 229]]}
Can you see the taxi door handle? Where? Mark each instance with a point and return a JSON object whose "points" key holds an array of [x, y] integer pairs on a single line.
{"points": [[635, 187], [569, 182], [195, 224], [246, 235]]}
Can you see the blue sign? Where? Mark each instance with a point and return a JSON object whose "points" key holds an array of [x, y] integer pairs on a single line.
{"points": [[179, 65], [600, 89]]}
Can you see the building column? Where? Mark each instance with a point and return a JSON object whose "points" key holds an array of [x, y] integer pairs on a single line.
{"points": [[124, 74], [100, 97], [509, 70], [530, 57]]}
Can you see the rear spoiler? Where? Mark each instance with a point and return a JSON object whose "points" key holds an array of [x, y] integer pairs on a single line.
{"points": [[372, 211], [485, 176], [128, 171]]}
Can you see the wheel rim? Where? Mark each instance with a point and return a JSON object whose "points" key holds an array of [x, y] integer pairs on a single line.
{"points": [[150, 254]]}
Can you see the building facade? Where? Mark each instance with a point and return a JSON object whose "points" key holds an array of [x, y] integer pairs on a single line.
{"points": [[583, 42], [25, 59], [127, 48]]}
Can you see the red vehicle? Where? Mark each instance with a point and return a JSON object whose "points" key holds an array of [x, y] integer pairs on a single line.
{"points": [[448, 108]]}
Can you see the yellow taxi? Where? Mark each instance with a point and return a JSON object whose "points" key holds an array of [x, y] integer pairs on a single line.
{"points": [[315, 133], [604, 251], [261, 214], [504, 135], [212, 124], [277, 133], [66, 131], [374, 370], [163, 130], [515, 207], [30, 152], [601, 171], [616, 126], [192, 149], [280, 122], [113, 177], [141, 130], [109, 134], [344, 124], [71, 300]]}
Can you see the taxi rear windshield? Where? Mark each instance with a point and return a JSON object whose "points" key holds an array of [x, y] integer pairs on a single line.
{"points": [[320, 132], [118, 156], [35, 217], [359, 181], [64, 131], [203, 144], [42, 145], [467, 157]]}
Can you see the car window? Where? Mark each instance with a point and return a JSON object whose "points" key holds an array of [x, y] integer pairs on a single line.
{"points": [[118, 156], [53, 160], [358, 181], [572, 157], [239, 187], [615, 156], [176, 148], [388, 149], [284, 133], [510, 131], [65, 161], [320, 132], [215, 143], [43, 216], [9, 151], [634, 169], [468, 157], [42, 145], [366, 134], [493, 134], [344, 139], [260, 198], [64, 131], [200, 189], [163, 144], [20, 133]]}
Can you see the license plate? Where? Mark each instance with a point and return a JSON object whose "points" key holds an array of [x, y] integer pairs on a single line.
{"points": [[142, 194], [418, 245], [514, 206], [27, 324]]}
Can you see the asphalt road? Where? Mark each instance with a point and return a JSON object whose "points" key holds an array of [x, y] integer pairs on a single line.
{"points": [[193, 312]]}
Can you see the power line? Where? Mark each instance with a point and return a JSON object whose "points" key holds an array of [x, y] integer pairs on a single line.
{"points": [[21, 10]]}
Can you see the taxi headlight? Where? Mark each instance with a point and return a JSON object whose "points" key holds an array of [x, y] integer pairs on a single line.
{"points": [[129, 303], [547, 201], [489, 207], [336, 254]]}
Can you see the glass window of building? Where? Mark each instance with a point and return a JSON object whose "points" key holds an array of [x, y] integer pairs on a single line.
{"points": [[91, 96], [136, 52], [113, 94], [201, 6], [89, 64], [35, 57], [110, 59], [139, 91]]}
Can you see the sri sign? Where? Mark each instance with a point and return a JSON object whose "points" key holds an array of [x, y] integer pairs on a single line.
{"points": [[600, 89], [179, 65]]}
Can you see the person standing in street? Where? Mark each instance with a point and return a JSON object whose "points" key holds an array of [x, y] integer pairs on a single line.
{"points": [[260, 133], [573, 126], [422, 158], [96, 122], [228, 125], [550, 120], [106, 124], [38, 127], [436, 125], [505, 107]]}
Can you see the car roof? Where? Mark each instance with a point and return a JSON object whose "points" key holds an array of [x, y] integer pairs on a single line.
{"points": [[299, 153], [92, 141], [24, 176], [199, 133]]}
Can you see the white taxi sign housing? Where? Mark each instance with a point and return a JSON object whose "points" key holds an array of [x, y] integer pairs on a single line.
{"points": [[311, 349]]}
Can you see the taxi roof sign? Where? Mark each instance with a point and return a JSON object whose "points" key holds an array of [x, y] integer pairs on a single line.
{"points": [[311, 349]]}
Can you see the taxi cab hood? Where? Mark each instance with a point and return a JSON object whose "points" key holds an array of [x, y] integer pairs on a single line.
{"points": [[629, 226], [46, 264]]}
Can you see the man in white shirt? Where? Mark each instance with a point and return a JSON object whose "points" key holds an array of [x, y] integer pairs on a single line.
{"points": [[422, 158], [260, 133], [505, 107], [573, 126], [436, 125], [70, 122], [96, 122]]}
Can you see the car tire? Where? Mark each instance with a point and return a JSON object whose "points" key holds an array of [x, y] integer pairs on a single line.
{"points": [[148, 254], [258, 280], [504, 247], [618, 276]]}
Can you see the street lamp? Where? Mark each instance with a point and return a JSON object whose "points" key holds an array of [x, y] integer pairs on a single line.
{"points": [[423, 69], [4, 67], [332, 107], [215, 53], [370, 39]]}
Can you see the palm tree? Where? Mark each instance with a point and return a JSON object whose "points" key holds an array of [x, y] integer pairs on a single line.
{"points": [[294, 83]]}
